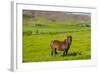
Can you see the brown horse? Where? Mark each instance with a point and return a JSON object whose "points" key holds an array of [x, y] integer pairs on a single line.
{"points": [[61, 46]]}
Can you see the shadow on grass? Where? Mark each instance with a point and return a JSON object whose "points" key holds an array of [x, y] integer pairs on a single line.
{"points": [[74, 53]]}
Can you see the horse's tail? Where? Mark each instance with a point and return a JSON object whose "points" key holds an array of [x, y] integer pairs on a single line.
{"points": [[51, 44]]}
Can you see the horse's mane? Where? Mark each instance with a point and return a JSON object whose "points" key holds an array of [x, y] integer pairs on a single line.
{"points": [[65, 40]]}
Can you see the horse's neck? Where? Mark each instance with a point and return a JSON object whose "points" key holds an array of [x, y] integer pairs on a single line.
{"points": [[66, 42]]}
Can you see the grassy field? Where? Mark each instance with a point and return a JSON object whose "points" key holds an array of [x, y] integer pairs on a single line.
{"points": [[38, 35]]}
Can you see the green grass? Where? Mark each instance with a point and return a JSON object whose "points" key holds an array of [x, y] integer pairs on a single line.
{"points": [[36, 47]]}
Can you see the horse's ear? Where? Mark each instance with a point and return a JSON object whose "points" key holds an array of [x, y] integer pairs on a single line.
{"points": [[69, 36]]}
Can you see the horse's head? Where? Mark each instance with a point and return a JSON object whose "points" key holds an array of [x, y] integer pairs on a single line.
{"points": [[68, 40]]}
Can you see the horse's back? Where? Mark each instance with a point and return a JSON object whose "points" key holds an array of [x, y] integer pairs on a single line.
{"points": [[57, 44]]}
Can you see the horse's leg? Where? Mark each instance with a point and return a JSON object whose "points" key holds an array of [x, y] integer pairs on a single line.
{"points": [[53, 52], [67, 50], [64, 52]]}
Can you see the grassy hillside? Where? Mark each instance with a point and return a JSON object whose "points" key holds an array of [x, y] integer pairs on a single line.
{"points": [[38, 34]]}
